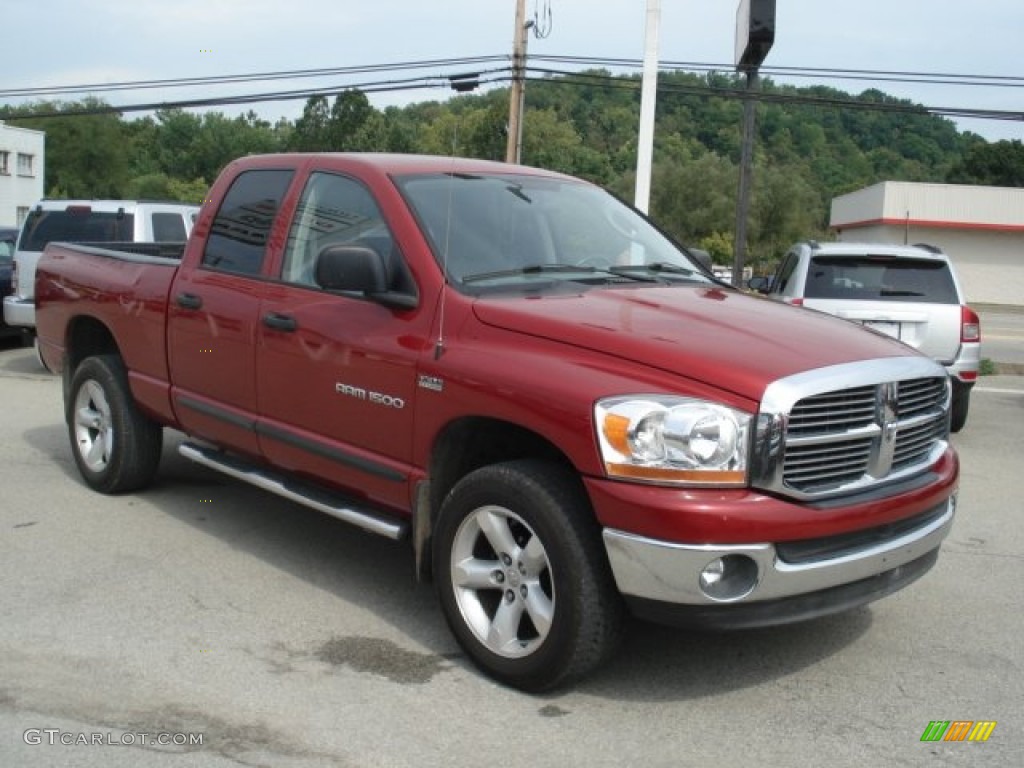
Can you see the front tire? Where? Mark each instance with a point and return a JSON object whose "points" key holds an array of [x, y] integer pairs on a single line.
{"points": [[116, 447], [522, 576]]}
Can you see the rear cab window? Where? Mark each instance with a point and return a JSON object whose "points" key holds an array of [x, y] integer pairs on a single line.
{"points": [[77, 224], [880, 278]]}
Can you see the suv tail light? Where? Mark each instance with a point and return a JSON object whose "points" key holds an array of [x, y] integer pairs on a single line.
{"points": [[970, 325], [798, 302], [14, 278]]}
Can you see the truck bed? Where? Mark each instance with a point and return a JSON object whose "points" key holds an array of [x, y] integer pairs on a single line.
{"points": [[87, 287]]}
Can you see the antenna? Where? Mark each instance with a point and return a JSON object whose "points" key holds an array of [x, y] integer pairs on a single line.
{"points": [[439, 344]]}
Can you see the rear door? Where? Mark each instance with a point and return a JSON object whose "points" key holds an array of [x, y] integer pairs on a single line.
{"points": [[337, 373], [913, 300], [213, 311]]}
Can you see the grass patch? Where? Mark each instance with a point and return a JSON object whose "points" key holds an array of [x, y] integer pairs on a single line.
{"points": [[987, 367]]}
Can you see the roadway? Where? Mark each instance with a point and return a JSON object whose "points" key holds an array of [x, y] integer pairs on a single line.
{"points": [[285, 638]]}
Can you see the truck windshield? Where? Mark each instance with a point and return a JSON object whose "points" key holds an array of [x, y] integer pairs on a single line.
{"points": [[496, 230], [75, 224]]}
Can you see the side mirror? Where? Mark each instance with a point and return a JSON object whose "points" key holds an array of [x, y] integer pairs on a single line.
{"points": [[701, 257], [760, 284], [355, 269], [352, 269]]}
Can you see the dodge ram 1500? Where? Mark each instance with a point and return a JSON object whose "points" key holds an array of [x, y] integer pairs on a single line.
{"points": [[560, 409]]}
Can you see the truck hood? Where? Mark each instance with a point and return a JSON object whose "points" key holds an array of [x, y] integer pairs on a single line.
{"points": [[723, 338]]}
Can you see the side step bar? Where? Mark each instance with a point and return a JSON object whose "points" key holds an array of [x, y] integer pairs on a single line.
{"points": [[309, 496]]}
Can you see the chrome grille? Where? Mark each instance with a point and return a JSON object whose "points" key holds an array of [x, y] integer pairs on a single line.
{"points": [[833, 411], [846, 428], [807, 466], [914, 444]]}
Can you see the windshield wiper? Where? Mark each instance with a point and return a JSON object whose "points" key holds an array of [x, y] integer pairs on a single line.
{"points": [[538, 269], [657, 266]]}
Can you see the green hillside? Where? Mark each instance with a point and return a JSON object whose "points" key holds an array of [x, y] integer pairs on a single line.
{"points": [[812, 144]]}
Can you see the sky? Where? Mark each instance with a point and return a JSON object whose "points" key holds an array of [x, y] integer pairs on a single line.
{"points": [[72, 42]]}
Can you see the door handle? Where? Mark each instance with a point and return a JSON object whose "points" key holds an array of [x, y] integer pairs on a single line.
{"points": [[280, 322], [188, 301]]}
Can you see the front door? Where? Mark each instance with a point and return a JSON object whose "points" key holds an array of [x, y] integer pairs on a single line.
{"points": [[337, 373]]}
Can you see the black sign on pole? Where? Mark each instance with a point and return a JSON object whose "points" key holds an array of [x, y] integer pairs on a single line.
{"points": [[755, 33]]}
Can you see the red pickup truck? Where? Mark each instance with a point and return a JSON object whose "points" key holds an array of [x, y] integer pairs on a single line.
{"points": [[562, 410]]}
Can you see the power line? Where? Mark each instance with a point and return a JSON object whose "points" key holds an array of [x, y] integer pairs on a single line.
{"points": [[928, 78], [913, 77], [296, 74], [497, 76], [590, 79]]}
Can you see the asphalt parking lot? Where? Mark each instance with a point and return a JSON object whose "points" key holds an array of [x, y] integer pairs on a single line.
{"points": [[282, 637]]}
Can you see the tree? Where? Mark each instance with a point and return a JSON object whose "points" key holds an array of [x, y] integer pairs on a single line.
{"points": [[85, 153], [999, 165], [311, 130]]}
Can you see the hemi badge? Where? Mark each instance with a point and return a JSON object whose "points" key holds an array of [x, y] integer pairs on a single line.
{"points": [[432, 383]]}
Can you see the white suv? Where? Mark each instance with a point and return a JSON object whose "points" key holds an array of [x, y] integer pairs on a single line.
{"points": [[93, 221], [909, 292]]}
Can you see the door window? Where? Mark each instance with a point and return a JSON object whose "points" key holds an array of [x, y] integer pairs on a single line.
{"points": [[337, 210], [238, 237]]}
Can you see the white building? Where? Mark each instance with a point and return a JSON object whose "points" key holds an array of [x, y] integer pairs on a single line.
{"points": [[21, 172], [981, 228]]}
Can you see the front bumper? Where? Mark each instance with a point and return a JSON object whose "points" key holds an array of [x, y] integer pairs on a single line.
{"points": [[18, 311], [792, 581]]}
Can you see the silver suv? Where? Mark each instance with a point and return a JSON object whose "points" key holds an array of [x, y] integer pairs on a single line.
{"points": [[909, 292], [92, 221]]}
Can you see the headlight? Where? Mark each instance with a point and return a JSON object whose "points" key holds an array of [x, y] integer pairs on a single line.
{"points": [[666, 439]]}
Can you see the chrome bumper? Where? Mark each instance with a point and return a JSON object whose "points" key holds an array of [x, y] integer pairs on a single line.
{"points": [[667, 572]]}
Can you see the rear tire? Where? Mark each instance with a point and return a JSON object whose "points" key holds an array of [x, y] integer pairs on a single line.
{"points": [[116, 447], [522, 575]]}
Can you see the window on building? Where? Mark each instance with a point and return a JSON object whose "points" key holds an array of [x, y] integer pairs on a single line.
{"points": [[4, 159], [24, 164]]}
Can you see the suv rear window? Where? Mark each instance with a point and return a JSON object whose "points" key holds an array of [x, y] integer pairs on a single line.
{"points": [[880, 278], [75, 224]]}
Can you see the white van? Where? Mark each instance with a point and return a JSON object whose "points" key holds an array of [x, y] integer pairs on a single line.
{"points": [[87, 221]]}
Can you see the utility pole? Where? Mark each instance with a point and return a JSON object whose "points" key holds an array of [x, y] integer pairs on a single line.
{"points": [[746, 176], [755, 34], [514, 148], [648, 97]]}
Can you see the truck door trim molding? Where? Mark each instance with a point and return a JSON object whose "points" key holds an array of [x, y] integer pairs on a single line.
{"points": [[222, 414], [317, 448], [287, 436]]}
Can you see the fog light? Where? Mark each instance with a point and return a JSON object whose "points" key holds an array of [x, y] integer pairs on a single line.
{"points": [[729, 578]]}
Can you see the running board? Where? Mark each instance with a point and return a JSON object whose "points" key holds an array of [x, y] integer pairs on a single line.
{"points": [[307, 495]]}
